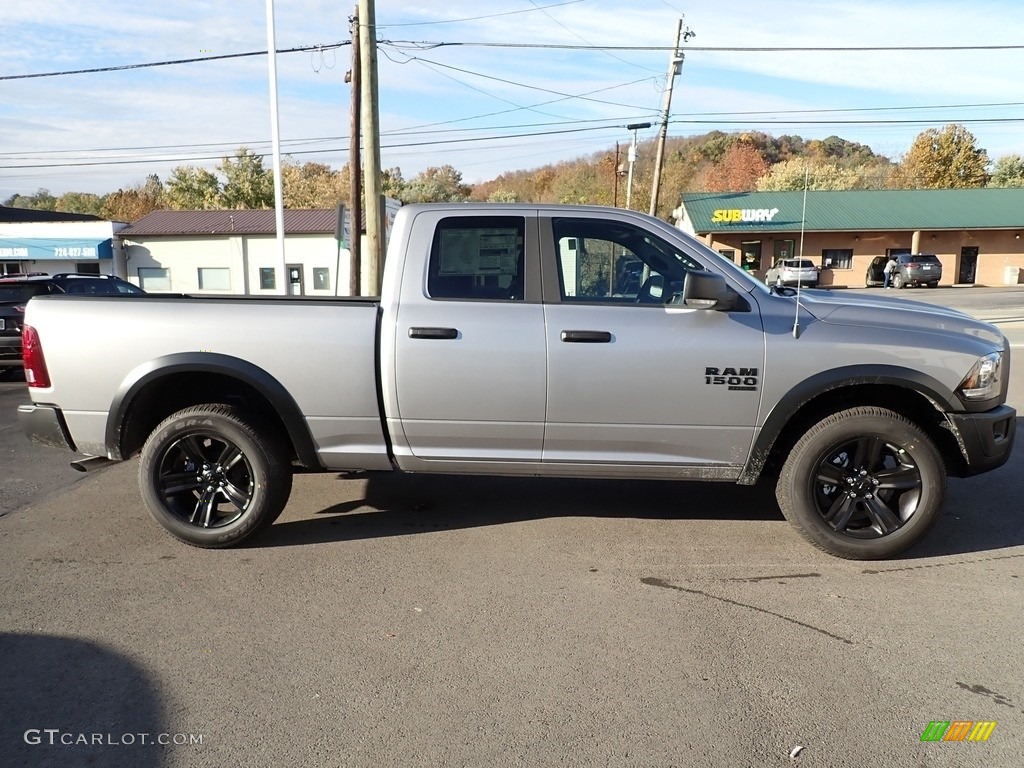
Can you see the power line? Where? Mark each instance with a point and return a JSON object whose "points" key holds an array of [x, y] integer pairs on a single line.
{"points": [[428, 45], [124, 67], [477, 18]]}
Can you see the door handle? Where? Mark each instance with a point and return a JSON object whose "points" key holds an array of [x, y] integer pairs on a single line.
{"points": [[587, 337], [433, 333]]}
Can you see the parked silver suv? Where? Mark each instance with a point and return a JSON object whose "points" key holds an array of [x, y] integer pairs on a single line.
{"points": [[791, 272]]}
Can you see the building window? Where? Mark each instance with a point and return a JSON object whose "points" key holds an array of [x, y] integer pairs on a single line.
{"points": [[154, 279], [729, 253], [837, 258], [214, 279], [321, 279], [268, 279], [784, 249]]}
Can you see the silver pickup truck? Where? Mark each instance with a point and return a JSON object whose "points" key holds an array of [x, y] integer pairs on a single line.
{"points": [[530, 340]]}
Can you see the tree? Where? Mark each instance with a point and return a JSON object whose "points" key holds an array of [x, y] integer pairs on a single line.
{"points": [[946, 159], [79, 202], [738, 170], [128, 204], [312, 185], [42, 200], [791, 175], [247, 183], [1008, 171], [392, 184], [436, 185], [192, 189]]}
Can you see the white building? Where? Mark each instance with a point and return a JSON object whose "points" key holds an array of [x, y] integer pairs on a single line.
{"points": [[54, 242], [236, 252]]}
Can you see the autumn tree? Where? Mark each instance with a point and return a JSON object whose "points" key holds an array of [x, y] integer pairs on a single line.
{"points": [[192, 189], [392, 183], [946, 159], [738, 170], [312, 185], [135, 202], [792, 175], [1008, 171]]}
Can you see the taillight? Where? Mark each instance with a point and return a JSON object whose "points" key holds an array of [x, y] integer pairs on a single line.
{"points": [[32, 355]]}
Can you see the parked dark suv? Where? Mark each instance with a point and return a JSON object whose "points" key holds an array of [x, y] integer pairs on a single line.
{"points": [[914, 269], [15, 293]]}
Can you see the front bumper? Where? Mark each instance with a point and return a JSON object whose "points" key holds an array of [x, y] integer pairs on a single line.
{"points": [[44, 424], [986, 439]]}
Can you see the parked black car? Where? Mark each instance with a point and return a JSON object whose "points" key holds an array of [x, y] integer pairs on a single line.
{"points": [[914, 269], [15, 293]]}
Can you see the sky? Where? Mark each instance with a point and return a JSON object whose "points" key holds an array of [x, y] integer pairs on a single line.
{"points": [[486, 87]]}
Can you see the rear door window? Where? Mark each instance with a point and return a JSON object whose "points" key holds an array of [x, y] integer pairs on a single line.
{"points": [[477, 258]]}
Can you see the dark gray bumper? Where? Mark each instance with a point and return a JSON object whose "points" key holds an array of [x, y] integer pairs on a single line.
{"points": [[44, 424], [986, 438]]}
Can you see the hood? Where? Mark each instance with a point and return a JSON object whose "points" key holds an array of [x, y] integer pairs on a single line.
{"points": [[884, 312]]}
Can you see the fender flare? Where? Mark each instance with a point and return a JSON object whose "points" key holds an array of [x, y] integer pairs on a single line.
{"points": [[211, 362], [838, 378]]}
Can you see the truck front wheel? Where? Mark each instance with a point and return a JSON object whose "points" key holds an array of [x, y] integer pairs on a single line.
{"points": [[213, 479], [862, 484]]}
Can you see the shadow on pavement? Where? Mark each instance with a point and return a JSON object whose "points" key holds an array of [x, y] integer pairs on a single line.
{"points": [[85, 695], [407, 504], [981, 514]]}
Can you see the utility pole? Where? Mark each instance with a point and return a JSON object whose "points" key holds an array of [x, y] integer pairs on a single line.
{"points": [[631, 157], [675, 65], [355, 169], [370, 118], [615, 177]]}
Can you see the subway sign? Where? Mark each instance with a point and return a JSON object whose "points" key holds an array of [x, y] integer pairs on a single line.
{"points": [[743, 215]]}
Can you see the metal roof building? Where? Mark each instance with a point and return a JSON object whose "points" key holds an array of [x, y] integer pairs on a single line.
{"points": [[976, 233]]}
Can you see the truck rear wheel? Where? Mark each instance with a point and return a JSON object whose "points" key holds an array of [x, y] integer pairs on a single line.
{"points": [[213, 479], [862, 484]]}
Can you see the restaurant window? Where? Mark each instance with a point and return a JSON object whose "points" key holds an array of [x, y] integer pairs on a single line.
{"points": [[837, 258], [268, 279], [729, 253]]}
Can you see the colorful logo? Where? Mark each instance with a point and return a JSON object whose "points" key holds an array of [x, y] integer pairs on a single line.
{"points": [[958, 730]]}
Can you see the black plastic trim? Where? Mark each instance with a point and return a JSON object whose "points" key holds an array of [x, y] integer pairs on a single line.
{"points": [[45, 425], [210, 362], [985, 438], [838, 378]]}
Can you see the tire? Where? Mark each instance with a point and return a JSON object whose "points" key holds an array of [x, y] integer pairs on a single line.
{"points": [[894, 478], [897, 281], [211, 478]]}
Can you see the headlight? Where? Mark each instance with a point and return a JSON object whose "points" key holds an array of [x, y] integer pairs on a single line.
{"points": [[983, 382]]}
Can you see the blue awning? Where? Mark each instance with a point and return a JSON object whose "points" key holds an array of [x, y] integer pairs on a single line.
{"points": [[61, 248]]}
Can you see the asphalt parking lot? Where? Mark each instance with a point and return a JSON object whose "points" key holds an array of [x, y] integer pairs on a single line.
{"points": [[420, 621]]}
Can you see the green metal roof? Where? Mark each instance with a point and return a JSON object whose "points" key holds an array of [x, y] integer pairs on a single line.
{"points": [[847, 210]]}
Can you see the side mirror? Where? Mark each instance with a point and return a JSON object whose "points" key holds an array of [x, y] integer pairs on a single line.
{"points": [[707, 290]]}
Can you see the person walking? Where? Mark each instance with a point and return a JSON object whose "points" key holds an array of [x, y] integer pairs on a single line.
{"points": [[888, 271]]}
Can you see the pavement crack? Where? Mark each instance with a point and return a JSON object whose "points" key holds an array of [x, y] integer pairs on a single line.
{"points": [[653, 582], [981, 690], [753, 579]]}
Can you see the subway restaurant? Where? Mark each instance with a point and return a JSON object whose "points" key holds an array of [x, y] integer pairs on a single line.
{"points": [[976, 233]]}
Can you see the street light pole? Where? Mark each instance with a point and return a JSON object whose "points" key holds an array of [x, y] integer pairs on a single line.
{"points": [[634, 127]]}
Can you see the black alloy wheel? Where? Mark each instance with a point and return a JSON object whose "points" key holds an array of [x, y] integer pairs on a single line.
{"points": [[864, 483], [211, 478]]}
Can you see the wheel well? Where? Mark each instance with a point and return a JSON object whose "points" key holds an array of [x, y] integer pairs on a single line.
{"points": [[171, 393], [907, 403]]}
